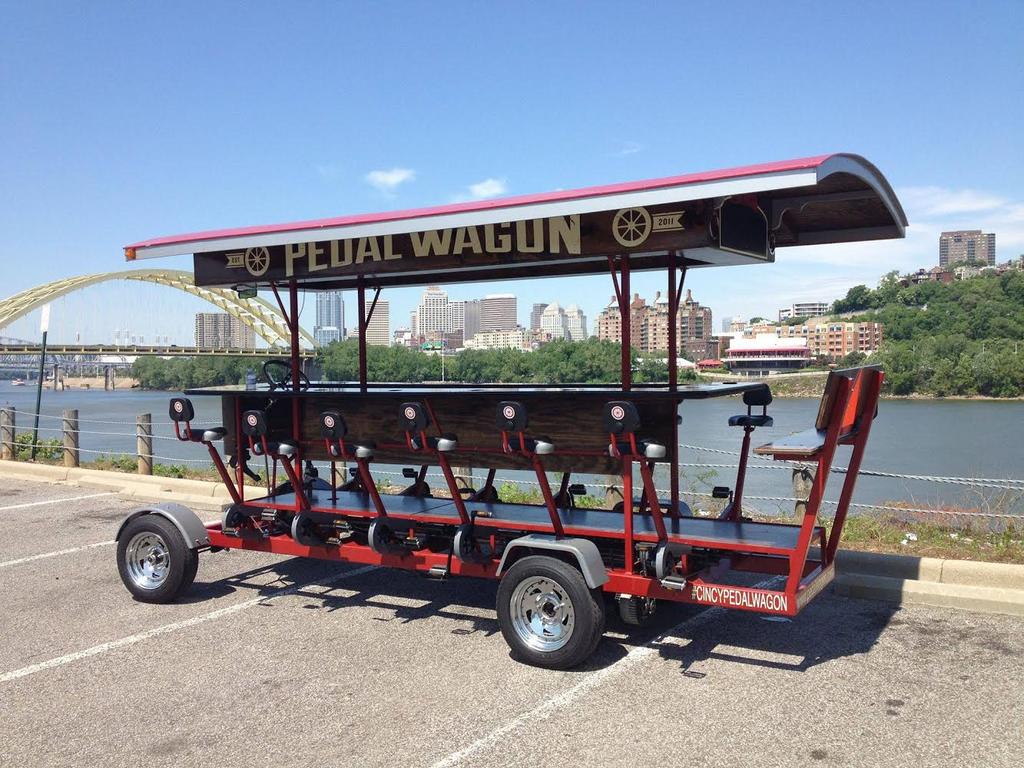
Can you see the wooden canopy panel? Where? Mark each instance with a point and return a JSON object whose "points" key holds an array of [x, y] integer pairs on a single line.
{"points": [[718, 218]]}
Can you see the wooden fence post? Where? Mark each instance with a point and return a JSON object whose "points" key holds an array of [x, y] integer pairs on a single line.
{"points": [[803, 479], [70, 429], [7, 448], [144, 442]]}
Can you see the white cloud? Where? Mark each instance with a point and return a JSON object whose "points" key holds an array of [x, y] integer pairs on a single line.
{"points": [[930, 202], [487, 188], [387, 181], [630, 148]]}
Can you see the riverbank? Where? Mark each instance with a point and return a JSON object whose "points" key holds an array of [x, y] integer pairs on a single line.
{"points": [[811, 384]]}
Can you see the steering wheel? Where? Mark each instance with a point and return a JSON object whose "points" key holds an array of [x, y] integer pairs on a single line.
{"points": [[283, 367]]}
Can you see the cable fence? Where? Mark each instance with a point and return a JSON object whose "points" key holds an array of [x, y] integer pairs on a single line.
{"points": [[70, 431]]}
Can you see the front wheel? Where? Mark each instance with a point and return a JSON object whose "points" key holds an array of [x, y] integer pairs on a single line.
{"points": [[547, 613], [154, 560]]}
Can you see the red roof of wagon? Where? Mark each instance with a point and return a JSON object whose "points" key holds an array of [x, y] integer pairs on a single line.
{"points": [[772, 178]]}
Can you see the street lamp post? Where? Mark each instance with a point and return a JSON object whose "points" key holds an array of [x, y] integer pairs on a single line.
{"points": [[44, 326]]}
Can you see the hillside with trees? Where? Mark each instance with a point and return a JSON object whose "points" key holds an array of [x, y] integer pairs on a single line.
{"points": [[964, 338], [560, 362]]}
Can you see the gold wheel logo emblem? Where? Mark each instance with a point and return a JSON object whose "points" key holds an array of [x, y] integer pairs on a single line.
{"points": [[257, 261], [631, 227]]}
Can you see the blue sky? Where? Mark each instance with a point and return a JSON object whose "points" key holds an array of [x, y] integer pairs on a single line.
{"points": [[123, 121]]}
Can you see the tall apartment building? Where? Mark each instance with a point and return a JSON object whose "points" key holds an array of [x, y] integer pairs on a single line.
{"points": [[378, 330], [649, 325], [432, 316], [575, 323], [498, 312], [967, 245], [609, 325], [456, 316], [535, 316], [805, 309], [219, 330], [694, 320]]}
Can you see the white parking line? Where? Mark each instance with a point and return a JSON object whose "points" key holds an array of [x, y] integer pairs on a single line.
{"points": [[57, 501], [548, 707], [45, 555], [96, 650]]}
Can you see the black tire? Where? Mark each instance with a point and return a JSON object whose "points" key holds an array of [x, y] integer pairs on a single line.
{"points": [[637, 611], [587, 606], [176, 561]]}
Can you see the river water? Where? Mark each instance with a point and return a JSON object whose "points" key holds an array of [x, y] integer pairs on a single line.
{"points": [[976, 439]]}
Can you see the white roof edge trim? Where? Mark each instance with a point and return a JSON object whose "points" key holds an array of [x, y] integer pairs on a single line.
{"points": [[855, 165], [678, 193]]}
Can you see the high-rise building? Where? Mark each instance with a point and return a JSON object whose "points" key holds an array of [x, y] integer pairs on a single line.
{"points": [[967, 245], [649, 325], [456, 316], [471, 326], [432, 318], [378, 330], [498, 312], [694, 320], [726, 322], [325, 334], [553, 321], [330, 317], [219, 330], [535, 316], [575, 323]]}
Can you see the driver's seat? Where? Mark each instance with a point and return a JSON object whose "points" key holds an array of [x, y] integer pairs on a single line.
{"points": [[284, 380]]}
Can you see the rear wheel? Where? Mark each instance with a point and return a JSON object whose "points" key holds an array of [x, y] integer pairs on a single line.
{"points": [[154, 560], [636, 611], [547, 613]]}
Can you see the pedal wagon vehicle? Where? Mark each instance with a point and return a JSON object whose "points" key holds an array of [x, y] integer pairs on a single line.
{"points": [[556, 558]]}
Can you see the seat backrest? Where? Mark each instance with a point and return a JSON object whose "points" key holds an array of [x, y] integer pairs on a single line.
{"points": [[254, 423], [620, 417], [332, 426], [511, 416], [413, 417], [761, 396], [828, 399], [858, 381], [181, 409]]}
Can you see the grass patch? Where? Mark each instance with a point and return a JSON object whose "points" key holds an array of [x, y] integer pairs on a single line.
{"points": [[890, 534]]}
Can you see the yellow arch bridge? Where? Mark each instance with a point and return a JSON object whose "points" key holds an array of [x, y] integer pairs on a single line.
{"points": [[259, 314]]}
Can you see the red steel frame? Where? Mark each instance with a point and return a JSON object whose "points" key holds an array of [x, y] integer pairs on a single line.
{"points": [[849, 424]]}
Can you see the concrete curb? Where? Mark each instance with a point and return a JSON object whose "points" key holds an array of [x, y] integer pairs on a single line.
{"points": [[201, 494], [964, 584]]}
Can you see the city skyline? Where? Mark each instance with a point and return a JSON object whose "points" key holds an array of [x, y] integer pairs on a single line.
{"points": [[119, 184]]}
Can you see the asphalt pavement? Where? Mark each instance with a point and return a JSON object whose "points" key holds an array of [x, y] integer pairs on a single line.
{"points": [[291, 662]]}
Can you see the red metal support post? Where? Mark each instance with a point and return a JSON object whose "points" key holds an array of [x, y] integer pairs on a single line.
{"points": [[627, 512], [625, 310], [296, 365], [361, 294]]}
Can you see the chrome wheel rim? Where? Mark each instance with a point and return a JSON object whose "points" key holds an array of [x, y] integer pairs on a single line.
{"points": [[542, 613], [148, 560]]}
